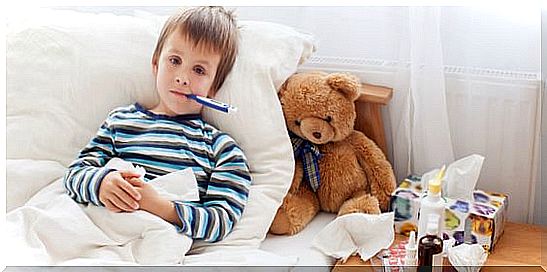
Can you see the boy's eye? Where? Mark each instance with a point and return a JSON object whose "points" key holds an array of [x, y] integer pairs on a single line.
{"points": [[174, 60], [199, 70]]}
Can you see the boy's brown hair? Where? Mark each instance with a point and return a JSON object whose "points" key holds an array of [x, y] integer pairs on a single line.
{"points": [[210, 28]]}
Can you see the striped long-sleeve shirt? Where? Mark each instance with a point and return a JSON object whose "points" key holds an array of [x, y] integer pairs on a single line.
{"points": [[163, 144]]}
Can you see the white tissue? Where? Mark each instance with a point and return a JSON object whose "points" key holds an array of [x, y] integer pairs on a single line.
{"points": [[361, 233], [119, 164], [179, 185], [460, 179], [467, 258]]}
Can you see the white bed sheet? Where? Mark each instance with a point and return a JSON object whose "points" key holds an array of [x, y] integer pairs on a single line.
{"points": [[300, 245]]}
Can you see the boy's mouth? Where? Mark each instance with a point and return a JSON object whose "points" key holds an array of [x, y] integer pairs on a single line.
{"points": [[179, 93]]}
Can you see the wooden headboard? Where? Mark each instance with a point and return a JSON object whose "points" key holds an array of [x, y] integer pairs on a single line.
{"points": [[369, 115]]}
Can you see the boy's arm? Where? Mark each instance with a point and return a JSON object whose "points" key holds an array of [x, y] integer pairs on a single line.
{"points": [[227, 192], [85, 174]]}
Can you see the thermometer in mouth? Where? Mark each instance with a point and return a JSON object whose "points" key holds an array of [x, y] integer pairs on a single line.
{"points": [[213, 104]]}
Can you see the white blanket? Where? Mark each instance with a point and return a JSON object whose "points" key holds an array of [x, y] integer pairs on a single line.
{"points": [[52, 229]]}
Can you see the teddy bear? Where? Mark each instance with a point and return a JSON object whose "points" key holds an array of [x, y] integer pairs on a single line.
{"points": [[338, 169]]}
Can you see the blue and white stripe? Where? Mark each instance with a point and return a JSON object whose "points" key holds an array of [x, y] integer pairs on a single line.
{"points": [[163, 144]]}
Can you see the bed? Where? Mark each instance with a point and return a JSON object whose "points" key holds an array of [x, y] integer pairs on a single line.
{"points": [[66, 70], [299, 245]]}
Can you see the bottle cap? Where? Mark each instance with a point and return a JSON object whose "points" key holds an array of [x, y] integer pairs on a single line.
{"points": [[434, 185]]}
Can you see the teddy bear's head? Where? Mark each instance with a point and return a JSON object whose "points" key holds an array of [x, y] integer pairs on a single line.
{"points": [[318, 106]]}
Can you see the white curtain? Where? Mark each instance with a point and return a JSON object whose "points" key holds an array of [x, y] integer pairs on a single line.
{"points": [[422, 139], [440, 113]]}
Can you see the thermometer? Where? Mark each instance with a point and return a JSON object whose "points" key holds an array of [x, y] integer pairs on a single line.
{"points": [[211, 103]]}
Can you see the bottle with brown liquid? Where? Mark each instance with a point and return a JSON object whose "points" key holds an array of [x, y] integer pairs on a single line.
{"points": [[430, 247]]}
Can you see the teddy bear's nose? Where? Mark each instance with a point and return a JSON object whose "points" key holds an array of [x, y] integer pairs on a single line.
{"points": [[317, 135]]}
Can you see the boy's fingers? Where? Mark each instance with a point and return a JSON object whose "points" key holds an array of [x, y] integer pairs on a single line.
{"points": [[135, 181], [129, 189], [127, 202], [120, 204], [128, 174]]}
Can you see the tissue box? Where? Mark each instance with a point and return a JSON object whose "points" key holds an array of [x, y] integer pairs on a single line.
{"points": [[481, 221]]}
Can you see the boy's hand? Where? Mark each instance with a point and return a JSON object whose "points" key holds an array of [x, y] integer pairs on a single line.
{"points": [[154, 203], [149, 196], [117, 194]]}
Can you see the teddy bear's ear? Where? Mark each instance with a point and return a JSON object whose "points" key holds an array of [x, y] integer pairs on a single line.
{"points": [[344, 83], [283, 87]]}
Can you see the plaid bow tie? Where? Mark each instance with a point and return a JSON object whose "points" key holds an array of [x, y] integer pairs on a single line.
{"points": [[310, 155]]}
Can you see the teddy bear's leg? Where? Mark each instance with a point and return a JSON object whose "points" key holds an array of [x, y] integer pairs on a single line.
{"points": [[281, 223], [295, 213], [360, 202], [377, 168]]}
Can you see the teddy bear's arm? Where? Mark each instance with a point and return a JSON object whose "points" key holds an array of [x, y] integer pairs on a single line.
{"points": [[377, 168], [297, 178]]}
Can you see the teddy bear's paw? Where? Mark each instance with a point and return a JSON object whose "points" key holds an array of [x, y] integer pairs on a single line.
{"points": [[280, 224], [295, 213], [361, 204]]}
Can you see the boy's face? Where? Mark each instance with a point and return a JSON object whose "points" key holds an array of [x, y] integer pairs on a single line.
{"points": [[183, 69]]}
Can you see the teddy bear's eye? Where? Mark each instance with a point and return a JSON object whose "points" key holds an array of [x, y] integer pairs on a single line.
{"points": [[297, 122], [328, 119]]}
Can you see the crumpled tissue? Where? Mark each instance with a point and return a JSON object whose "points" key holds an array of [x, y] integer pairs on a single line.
{"points": [[467, 258], [352, 233], [178, 185], [461, 177]]}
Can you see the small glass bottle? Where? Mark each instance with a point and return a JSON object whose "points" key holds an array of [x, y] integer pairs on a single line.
{"points": [[411, 256], [430, 247]]}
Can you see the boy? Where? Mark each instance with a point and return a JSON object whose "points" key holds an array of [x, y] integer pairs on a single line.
{"points": [[194, 53]]}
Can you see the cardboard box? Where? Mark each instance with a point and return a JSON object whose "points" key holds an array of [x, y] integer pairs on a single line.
{"points": [[481, 221]]}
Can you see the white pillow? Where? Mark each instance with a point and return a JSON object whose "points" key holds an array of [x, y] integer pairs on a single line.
{"points": [[66, 70]]}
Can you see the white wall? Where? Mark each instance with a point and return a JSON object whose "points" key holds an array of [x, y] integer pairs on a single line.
{"points": [[471, 36]]}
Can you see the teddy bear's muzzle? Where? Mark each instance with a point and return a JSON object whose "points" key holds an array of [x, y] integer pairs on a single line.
{"points": [[316, 130]]}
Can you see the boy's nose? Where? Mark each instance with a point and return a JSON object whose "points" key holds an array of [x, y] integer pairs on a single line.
{"points": [[181, 81]]}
